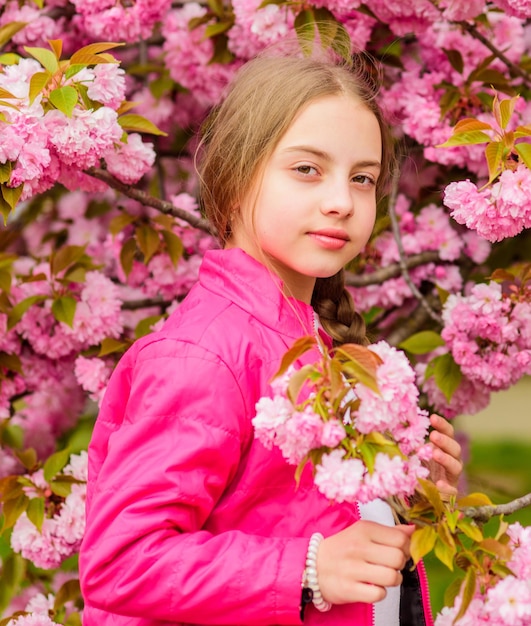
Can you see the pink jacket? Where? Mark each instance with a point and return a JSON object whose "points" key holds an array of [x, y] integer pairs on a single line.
{"points": [[190, 520]]}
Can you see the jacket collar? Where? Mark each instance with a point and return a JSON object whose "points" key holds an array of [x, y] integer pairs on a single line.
{"points": [[238, 277]]}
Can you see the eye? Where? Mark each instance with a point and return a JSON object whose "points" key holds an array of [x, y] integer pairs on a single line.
{"points": [[306, 170], [364, 179]]}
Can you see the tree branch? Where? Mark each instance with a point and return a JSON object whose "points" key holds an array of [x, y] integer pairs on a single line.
{"points": [[391, 271], [515, 69], [484, 513], [402, 255], [145, 199]]}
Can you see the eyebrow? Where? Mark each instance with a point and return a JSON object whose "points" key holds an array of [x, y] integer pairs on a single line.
{"points": [[325, 156]]}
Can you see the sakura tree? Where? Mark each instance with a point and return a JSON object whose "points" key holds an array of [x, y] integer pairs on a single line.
{"points": [[102, 237]]}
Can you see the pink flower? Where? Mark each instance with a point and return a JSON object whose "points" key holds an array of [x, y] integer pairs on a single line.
{"points": [[129, 161], [93, 375], [333, 432], [337, 478], [510, 599], [108, 85]]}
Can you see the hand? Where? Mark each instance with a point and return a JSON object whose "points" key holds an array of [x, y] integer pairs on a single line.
{"points": [[358, 563], [446, 464]]}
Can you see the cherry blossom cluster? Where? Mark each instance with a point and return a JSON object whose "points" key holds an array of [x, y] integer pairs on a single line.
{"points": [[496, 212], [430, 230], [389, 419], [45, 145], [505, 602], [489, 335], [64, 524]]}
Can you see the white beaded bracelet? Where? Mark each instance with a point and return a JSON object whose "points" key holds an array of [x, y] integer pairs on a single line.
{"points": [[310, 574]]}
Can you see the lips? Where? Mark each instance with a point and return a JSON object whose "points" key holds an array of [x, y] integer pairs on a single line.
{"points": [[332, 233], [330, 238]]}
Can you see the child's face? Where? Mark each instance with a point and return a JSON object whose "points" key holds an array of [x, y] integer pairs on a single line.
{"points": [[315, 206]]}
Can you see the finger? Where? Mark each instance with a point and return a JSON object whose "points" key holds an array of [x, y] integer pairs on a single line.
{"points": [[451, 465], [380, 576], [445, 443], [445, 488], [442, 425]]}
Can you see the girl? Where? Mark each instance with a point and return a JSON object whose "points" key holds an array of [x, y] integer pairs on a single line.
{"points": [[190, 519]]}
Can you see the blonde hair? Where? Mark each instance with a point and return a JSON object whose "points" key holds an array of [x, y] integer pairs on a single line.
{"points": [[242, 133]]}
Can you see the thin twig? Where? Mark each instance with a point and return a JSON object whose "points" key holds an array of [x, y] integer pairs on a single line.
{"points": [[402, 255], [484, 513], [472, 30], [145, 199], [391, 271], [411, 324]]}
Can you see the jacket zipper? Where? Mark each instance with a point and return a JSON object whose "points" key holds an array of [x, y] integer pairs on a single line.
{"points": [[425, 593]]}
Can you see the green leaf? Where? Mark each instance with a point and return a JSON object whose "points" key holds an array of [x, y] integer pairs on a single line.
{"points": [[305, 30], [474, 499], [144, 327], [13, 509], [217, 8], [422, 342], [452, 591], [64, 257], [68, 592], [470, 124], [38, 82], [494, 155], [524, 152], [5, 171], [83, 55], [432, 495], [456, 59], [9, 58], [35, 512], [444, 553], [148, 241], [4, 93], [465, 139], [469, 590], [73, 619], [45, 57], [297, 381], [64, 99], [137, 123], [470, 529], [19, 309], [12, 194], [62, 487], [217, 28], [299, 347], [496, 548], [522, 131], [8, 30], [422, 542], [64, 309], [507, 110], [55, 463], [11, 362], [447, 375], [110, 346], [120, 222], [57, 46], [174, 246], [127, 255]]}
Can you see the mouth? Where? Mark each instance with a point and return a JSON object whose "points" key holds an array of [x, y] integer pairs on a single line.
{"points": [[330, 238]]}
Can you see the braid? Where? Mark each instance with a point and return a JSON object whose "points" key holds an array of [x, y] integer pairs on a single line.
{"points": [[335, 307]]}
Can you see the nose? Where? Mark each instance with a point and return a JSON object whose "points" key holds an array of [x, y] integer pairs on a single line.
{"points": [[338, 199]]}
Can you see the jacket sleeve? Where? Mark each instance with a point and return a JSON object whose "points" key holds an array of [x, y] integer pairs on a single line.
{"points": [[155, 474]]}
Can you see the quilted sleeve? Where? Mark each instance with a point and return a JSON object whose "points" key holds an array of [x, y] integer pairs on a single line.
{"points": [[157, 471]]}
